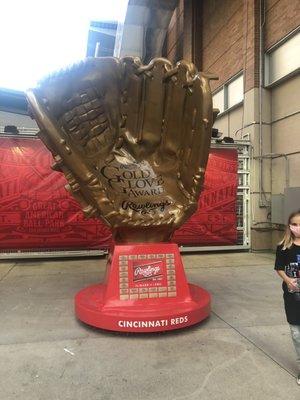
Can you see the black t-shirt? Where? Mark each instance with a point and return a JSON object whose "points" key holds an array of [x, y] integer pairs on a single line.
{"points": [[284, 259]]}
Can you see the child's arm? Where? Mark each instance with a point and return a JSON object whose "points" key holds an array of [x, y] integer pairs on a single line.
{"points": [[291, 282]]}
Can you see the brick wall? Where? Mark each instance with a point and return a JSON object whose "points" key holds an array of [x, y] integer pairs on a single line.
{"points": [[231, 39], [281, 16], [183, 40], [222, 42], [251, 18], [174, 44], [228, 30]]}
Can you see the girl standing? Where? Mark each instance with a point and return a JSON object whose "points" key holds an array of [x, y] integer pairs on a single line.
{"points": [[287, 265]]}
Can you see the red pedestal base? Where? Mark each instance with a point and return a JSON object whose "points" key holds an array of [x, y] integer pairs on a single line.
{"points": [[145, 290]]}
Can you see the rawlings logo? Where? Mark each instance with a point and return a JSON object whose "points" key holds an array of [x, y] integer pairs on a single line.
{"points": [[146, 208], [147, 271]]}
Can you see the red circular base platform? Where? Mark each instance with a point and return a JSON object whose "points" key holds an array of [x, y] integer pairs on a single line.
{"points": [[139, 316]]}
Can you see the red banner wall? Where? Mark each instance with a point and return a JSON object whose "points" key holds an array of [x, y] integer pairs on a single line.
{"points": [[215, 221], [36, 212]]}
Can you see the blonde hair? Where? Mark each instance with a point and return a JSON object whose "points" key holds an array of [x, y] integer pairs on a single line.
{"points": [[288, 238]]}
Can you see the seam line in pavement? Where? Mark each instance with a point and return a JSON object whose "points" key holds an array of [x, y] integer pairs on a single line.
{"points": [[5, 275], [250, 341]]}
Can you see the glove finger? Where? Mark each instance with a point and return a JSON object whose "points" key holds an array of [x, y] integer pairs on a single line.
{"points": [[84, 102], [131, 98], [144, 105], [175, 108], [70, 157], [198, 121]]}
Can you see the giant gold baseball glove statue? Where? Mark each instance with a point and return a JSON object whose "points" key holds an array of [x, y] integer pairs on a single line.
{"points": [[133, 142]]}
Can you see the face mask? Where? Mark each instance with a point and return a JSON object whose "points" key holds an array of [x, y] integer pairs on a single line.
{"points": [[295, 230]]}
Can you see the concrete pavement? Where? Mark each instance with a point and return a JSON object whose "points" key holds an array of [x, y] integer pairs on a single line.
{"points": [[243, 351]]}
